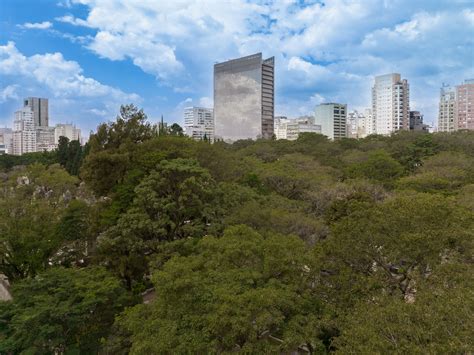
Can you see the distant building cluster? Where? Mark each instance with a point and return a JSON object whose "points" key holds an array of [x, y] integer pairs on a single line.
{"points": [[31, 131], [244, 108], [456, 107]]}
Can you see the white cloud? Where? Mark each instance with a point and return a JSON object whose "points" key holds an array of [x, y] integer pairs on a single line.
{"points": [[37, 26], [8, 93], [332, 50], [64, 77], [53, 76]]}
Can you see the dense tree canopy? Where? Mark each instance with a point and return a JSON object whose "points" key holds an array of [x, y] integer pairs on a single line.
{"points": [[316, 246]]}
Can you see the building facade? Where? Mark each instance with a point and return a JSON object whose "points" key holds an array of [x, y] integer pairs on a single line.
{"points": [[66, 130], [447, 109], [332, 119], [279, 127], [244, 98], [6, 140], [416, 122], [45, 141], [24, 133], [390, 103], [303, 124], [465, 105], [199, 123], [40, 109]]}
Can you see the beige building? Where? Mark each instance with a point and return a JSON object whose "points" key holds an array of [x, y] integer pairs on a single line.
{"points": [[447, 109], [465, 105], [67, 130], [390, 103], [332, 119]]}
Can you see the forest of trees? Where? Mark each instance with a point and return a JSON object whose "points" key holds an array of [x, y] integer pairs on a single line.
{"points": [[316, 246]]}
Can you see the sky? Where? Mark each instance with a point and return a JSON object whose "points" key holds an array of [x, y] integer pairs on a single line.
{"points": [[90, 56]]}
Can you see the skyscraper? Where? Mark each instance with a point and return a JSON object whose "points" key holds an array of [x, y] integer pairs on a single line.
{"points": [[447, 109], [390, 103], [244, 98], [199, 123], [40, 110], [465, 105], [332, 119]]}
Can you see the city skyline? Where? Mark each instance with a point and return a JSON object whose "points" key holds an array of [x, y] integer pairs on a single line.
{"points": [[86, 57]]}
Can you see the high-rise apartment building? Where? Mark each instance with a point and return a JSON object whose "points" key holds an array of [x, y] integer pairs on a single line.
{"points": [[199, 123], [390, 103], [40, 110], [465, 105], [447, 109], [67, 130], [24, 134], [332, 119], [244, 98]]}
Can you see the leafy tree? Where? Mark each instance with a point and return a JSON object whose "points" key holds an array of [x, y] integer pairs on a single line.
{"points": [[61, 311], [176, 130], [379, 166], [237, 292], [437, 323], [30, 209], [394, 243], [174, 202]]}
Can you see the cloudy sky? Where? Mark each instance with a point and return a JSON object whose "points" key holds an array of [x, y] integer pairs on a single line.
{"points": [[90, 56]]}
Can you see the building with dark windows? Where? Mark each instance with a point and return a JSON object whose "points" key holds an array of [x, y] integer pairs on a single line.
{"points": [[40, 110], [416, 122], [244, 93], [332, 119]]}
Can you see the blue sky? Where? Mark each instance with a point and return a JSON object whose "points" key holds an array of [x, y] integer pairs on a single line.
{"points": [[90, 56]]}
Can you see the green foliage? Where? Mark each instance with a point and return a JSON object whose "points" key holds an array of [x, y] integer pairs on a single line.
{"points": [[61, 311], [379, 166], [232, 293], [437, 323], [351, 246], [175, 201]]}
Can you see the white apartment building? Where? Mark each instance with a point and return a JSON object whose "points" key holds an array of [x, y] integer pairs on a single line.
{"points": [[332, 119], [390, 103], [291, 129], [45, 139], [280, 127], [199, 123], [66, 130], [24, 134], [355, 120], [6, 140]]}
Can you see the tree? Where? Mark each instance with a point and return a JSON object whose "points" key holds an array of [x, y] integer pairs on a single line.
{"points": [[175, 201], [31, 203], [238, 292], [392, 244], [176, 130], [437, 323], [379, 166], [61, 311]]}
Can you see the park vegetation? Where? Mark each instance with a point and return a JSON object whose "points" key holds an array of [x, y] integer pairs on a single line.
{"points": [[311, 246]]}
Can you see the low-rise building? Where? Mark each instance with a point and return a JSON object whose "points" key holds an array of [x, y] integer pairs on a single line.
{"points": [[199, 123], [332, 119]]}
